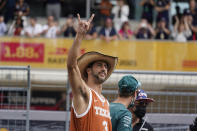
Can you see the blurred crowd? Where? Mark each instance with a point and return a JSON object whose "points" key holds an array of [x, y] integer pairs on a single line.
{"points": [[111, 23]]}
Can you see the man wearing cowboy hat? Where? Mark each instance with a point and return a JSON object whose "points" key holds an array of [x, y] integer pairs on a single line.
{"points": [[90, 110], [120, 115], [138, 112]]}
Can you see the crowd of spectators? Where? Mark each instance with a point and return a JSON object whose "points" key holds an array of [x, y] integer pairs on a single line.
{"points": [[113, 21]]}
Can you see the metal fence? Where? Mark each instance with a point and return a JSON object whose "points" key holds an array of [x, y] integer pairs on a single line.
{"points": [[174, 92], [175, 95], [15, 98]]}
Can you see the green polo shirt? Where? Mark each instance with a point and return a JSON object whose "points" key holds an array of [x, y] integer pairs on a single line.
{"points": [[120, 117]]}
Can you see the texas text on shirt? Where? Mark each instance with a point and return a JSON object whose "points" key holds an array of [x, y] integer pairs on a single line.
{"points": [[95, 118]]}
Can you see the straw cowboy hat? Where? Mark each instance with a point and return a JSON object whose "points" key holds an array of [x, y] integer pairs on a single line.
{"points": [[90, 57]]}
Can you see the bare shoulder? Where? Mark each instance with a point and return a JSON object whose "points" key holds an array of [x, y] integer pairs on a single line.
{"points": [[82, 102]]}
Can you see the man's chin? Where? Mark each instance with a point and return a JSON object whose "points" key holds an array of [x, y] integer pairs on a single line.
{"points": [[101, 79]]}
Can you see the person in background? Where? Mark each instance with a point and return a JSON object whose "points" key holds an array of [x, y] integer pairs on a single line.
{"points": [[147, 13], [144, 30], [181, 30], [53, 8], [3, 27], [92, 33], [125, 31], [69, 28], [105, 11], [51, 30], [2, 6], [9, 10], [193, 10], [162, 7], [192, 16], [193, 127], [22, 8], [108, 32], [139, 111], [187, 15], [61, 104], [120, 14], [121, 117], [16, 28], [178, 14], [162, 31], [132, 7], [34, 29]]}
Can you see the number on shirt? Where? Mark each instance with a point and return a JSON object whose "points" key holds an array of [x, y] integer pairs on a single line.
{"points": [[105, 125]]}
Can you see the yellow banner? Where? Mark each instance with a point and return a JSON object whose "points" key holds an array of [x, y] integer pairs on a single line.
{"points": [[133, 55]]}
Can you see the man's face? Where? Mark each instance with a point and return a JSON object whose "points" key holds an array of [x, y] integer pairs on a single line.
{"points": [[1, 19], [108, 23], [50, 19], [99, 71], [32, 22], [192, 4], [21, 1], [120, 2], [141, 103], [140, 108]]}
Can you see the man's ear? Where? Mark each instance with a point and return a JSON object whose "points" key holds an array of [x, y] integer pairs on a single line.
{"points": [[135, 94], [88, 70]]}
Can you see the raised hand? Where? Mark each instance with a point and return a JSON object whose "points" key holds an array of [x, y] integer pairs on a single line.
{"points": [[83, 26]]}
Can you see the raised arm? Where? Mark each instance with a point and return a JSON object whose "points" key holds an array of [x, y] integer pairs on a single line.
{"points": [[176, 24], [80, 90]]}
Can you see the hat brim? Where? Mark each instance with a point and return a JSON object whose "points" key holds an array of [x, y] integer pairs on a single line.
{"points": [[146, 99], [93, 56]]}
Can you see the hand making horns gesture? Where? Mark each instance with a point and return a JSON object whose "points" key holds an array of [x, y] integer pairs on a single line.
{"points": [[83, 26]]}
